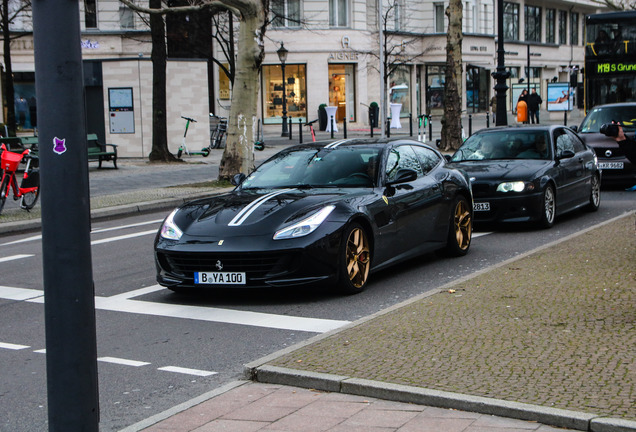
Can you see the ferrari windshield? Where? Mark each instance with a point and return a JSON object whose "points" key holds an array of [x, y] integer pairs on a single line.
{"points": [[505, 144], [625, 114], [354, 166]]}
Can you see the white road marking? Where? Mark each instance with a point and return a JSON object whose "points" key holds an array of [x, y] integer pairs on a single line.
{"points": [[100, 230], [187, 371], [24, 240], [14, 347], [122, 361], [15, 257], [123, 237], [481, 234], [123, 303], [40, 351]]}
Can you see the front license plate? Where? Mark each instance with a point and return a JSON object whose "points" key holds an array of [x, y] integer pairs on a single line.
{"points": [[219, 278], [482, 206], [610, 165]]}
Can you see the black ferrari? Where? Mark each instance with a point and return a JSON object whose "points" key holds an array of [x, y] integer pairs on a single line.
{"points": [[322, 213], [529, 173]]}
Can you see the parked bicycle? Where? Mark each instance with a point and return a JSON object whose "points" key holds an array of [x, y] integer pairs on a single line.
{"points": [[218, 129], [29, 189], [205, 151]]}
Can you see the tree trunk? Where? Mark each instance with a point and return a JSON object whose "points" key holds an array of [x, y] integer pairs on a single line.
{"points": [[238, 156], [158, 55], [451, 137], [9, 92]]}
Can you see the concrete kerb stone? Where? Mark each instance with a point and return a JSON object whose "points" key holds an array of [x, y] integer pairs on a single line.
{"points": [[606, 424]]}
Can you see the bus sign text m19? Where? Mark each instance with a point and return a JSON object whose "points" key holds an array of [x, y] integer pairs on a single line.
{"points": [[613, 67]]}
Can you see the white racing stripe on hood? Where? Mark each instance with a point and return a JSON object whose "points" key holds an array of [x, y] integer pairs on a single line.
{"points": [[244, 214], [336, 143]]}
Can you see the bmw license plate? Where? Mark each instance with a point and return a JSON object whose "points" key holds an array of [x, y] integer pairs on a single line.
{"points": [[219, 278], [482, 206], [610, 165]]}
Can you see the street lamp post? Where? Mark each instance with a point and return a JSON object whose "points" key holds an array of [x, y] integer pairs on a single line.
{"points": [[282, 56], [501, 118]]}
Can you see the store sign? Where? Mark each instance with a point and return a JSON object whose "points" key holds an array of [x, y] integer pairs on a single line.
{"points": [[615, 67], [344, 55]]}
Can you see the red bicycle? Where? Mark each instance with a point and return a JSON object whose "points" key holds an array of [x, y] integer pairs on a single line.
{"points": [[29, 189]]}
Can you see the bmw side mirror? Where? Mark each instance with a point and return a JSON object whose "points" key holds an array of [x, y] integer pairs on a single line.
{"points": [[566, 154], [574, 128], [238, 179]]}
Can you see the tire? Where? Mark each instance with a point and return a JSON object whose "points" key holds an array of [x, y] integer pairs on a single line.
{"points": [[354, 260], [179, 153], [460, 229], [548, 207], [3, 191], [205, 151], [595, 194], [29, 199]]}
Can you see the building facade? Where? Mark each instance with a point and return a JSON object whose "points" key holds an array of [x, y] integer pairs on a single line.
{"points": [[333, 48]]}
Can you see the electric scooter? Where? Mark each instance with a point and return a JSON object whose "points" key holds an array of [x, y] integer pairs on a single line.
{"points": [[205, 151]]}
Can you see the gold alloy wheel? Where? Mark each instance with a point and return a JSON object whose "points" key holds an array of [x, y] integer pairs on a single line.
{"points": [[463, 225], [358, 259]]}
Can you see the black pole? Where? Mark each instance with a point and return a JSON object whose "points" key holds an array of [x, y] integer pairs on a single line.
{"points": [[331, 120], [371, 120], [430, 128], [388, 128], [470, 124], [501, 118], [410, 124], [529, 74], [69, 309], [290, 128], [285, 131], [300, 131], [487, 119], [344, 127]]}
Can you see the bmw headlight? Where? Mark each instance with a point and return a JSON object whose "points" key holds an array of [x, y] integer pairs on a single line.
{"points": [[516, 186], [305, 226], [169, 229]]}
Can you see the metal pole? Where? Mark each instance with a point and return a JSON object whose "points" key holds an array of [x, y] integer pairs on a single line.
{"points": [[331, 120], [383, 102], [529, 74], [501, 119], [344, 127], [430, 127], [69, 308], [285, 131], [410, 124], [300, 131], [470, 124]]}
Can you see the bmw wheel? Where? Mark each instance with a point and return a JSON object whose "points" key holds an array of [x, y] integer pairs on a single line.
{"points": [[548, 209], [354, 260], [595, 194]]}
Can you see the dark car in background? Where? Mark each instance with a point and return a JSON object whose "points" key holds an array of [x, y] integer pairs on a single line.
{"points": [[617, 169], [322, 213], [529, 173]]}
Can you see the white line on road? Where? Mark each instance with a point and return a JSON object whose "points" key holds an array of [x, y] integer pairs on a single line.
{"points": [[187, 371], [122, 303], [14, 257], [123, 237], [100, 230], [122, 361], [12, 346]]}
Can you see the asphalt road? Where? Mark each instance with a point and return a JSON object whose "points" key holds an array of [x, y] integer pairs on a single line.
{"points": [[157, 349]]}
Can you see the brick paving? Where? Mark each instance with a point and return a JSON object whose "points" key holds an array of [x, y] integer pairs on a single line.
{"points": [[556, 328]]}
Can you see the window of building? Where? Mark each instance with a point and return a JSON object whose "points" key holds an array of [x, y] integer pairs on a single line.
{"points": [[550, 18], [435, 76], [439, 17], [126, 17], [295, 91], [563, 27], [469, 23], [342, 93], [399, 12], [533, 23], [486, 18], [338, 13], [90, 13], [514, 71], [511, 21], [574, 28], [400, 88], [286, 13]]}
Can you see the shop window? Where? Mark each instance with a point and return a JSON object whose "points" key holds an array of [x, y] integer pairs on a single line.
{"points": [[342, 91], [294, 91], [224, 83], [400, 89], [435, 77]]}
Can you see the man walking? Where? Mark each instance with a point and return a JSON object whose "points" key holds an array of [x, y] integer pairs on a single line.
{"points": [[534, 102]]}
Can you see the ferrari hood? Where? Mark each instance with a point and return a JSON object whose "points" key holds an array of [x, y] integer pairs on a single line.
{"points": [[249, 212], [502, 170]]}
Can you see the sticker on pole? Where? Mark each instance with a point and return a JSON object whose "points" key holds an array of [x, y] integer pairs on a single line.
{"points": [[59, 145]]}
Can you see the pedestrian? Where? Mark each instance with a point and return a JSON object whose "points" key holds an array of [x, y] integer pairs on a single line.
{"points": [[534, 103], [493, 108]]}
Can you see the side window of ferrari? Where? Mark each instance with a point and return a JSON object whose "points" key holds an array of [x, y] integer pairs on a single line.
{"points": [[402, 157], [428, 158]]}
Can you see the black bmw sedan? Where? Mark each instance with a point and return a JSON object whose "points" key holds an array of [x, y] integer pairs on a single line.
{"points": [[329, 213], [529, 173]]}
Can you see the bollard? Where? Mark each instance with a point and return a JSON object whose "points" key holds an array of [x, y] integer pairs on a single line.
{"points": [[290, 128], [565, 118], [487, 119], [344, 127], [332, 122], [371, 118], [300, 130], [410, 124], [470, 124], [430, 127], [388, 127]]}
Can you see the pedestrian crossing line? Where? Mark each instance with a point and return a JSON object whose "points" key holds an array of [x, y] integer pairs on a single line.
{"points": [[15, 257], [187, 371], [121, 361], [14, 347]]}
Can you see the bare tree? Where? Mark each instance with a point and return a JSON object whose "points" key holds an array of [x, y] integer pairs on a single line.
{"points": [[7, 16], [238, 155], [451, 136], [617, 5]]}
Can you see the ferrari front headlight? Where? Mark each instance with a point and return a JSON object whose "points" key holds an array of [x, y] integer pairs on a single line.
{"points": [[305, 226], [169, 229]]}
